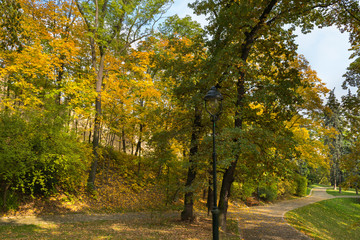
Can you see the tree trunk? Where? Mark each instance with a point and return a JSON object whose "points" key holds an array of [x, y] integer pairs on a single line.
{"points": [[92, 173], [138, 150], [210, 197], [85, 128], [123, 140], [335, 177], [97, 125], [90, 132], [138, 145], [227, 181], [188, 212], [340, 182], [228, 177], [5, 191]]}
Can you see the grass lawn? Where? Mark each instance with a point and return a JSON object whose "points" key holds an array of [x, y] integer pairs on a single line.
{"points": [[350, 192], [334, 219], [161, 227]]}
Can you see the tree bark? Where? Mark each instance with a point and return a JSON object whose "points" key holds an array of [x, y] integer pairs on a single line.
{"points": [[92, 173], [340, 182], [188, 212], [123, 140], [138, 145], [210, 197], [227, 181], [5, 191]]}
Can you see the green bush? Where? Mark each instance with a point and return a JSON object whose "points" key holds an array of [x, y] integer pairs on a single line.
{"points": [[38, 154], [301, 185], [12, 201], [241, 191], [236, 192], [286, 187], [268, 192]]}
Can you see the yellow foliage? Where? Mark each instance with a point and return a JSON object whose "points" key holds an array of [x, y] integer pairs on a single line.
{"points": [[258, 107]]}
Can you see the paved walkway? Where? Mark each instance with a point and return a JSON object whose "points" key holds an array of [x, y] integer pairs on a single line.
{"points": [[267, 222]]}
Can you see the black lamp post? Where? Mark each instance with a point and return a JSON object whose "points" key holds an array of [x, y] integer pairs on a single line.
{"points": [[213, 105]]}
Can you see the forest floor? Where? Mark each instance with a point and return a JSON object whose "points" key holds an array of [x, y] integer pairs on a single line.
{"points": [[130, 225]]}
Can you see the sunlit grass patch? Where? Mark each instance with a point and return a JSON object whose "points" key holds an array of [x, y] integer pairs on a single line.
{"points": [[348, 192], [330, 219]]}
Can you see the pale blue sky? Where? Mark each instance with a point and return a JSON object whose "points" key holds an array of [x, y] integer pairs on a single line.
{"points": [[326, 49]]}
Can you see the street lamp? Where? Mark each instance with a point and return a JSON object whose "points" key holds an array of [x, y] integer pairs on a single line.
{"points": [[213, 105]]}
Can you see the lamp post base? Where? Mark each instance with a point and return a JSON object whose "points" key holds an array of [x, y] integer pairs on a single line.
{"points": [[215, 220]]}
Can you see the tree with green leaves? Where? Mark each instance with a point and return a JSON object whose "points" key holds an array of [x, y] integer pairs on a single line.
{"points": [[252, 37], [334, 123], [179, 65], [114, 25]]}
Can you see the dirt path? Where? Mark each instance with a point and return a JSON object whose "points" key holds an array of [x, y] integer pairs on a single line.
{"points": [[267, 222]]}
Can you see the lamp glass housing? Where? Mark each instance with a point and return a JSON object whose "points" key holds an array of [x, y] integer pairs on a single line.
{"points": [[213, 102]]}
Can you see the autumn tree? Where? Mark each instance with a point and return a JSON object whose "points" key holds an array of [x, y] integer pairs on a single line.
{"points": [[41, 149], [243, 27], [114, 25], [179, 65]]}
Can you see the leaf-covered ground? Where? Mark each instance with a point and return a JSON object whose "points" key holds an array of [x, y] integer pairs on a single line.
{"points": [[156, 227]]}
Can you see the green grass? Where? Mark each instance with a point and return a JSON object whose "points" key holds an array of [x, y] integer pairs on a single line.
{"points": [[334, 219], [349, 192]]}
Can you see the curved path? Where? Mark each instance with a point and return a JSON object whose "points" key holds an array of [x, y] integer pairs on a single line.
{"points": [[267, 222]]}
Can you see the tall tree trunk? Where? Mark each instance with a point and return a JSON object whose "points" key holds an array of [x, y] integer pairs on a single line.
{"points": [[92, 173], [227, 181], [90, 132], [340, 182], [138, 149], [335, 177], [97, 125], [188, 212], [5, 192], [85, 128], [138, 145], [210, 196], [228, 177], [123, 140]]}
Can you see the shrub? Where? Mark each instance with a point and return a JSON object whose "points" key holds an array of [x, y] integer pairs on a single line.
{"points": [[38, 154], [242, 191], [11, 201], [268, 192], [286, 187], [301, 185]]}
